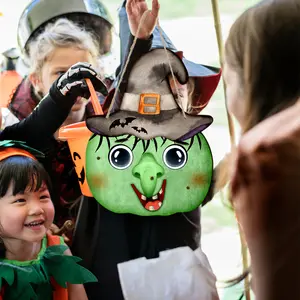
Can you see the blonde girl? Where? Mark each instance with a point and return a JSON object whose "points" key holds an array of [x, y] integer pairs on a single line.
{"points": [[61, 45]]}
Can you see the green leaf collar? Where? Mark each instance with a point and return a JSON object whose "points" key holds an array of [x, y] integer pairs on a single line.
{"points": [[31, 279]]}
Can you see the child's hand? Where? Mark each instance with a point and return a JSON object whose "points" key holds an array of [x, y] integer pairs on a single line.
{"points": [[135, 10], [54, 230], [72, 83]]}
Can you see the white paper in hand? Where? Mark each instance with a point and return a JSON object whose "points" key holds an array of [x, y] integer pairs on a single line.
{"points": [[176, 274]]}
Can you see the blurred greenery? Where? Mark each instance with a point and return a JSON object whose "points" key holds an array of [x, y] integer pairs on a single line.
{"points": [[171, 9], [218, 213]]}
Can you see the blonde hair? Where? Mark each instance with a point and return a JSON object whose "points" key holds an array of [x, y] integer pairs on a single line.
{"points": [[60, 34]]}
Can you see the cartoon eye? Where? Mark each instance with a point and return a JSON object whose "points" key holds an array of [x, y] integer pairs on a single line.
{"points": [[120, 157], [175, 157]]}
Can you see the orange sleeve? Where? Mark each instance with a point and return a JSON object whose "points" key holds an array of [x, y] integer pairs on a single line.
{"points": [[59, 293], [53, 240]]}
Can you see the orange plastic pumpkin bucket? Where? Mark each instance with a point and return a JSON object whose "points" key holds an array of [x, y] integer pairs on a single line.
{"points": [[77, 135]]}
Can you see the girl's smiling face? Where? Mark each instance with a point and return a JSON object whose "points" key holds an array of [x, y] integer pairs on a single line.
{"points": [[26, 216]]}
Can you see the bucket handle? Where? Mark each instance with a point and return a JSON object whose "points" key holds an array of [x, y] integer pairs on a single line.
{"points": [[95, 102]]}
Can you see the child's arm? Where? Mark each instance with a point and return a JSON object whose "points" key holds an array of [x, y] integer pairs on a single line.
{"points": [[75, 291], [135, 11], [38, 128]]}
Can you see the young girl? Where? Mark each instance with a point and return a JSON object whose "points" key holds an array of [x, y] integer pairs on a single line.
{"points": [[58, 47], [262, 69], [91, 15], [63, 42], [32, 262], [61, 45], [262, 73]]}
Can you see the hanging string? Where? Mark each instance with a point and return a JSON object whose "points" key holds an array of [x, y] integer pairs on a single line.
{"points": [[169, 62], [128, 59], [126, 63]]}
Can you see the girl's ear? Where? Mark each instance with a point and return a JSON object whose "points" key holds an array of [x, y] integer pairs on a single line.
{"points": [[36, 82]]}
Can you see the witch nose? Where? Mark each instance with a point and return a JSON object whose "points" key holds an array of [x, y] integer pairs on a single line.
{"points": [[148, 171]]}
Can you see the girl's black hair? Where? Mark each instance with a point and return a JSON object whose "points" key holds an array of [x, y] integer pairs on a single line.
{"points": [[25, 173]]}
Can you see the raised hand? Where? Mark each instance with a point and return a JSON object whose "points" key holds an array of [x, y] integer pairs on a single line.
{"points": [[72, 83], [135, 10]]}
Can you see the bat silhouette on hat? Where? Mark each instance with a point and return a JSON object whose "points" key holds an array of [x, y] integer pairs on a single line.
{"points": [[149, 108]]}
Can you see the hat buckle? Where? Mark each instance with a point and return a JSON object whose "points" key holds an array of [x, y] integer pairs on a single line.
{"points": [[146, 105]]}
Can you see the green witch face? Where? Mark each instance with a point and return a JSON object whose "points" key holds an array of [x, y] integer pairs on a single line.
{"points": [[148, 177]]}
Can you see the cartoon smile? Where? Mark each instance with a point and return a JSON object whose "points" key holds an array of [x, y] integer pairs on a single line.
{"points": [[81, 178], [155, 202]]}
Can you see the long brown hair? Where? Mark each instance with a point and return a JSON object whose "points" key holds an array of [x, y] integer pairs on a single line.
{"points": [[263, 48]]}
